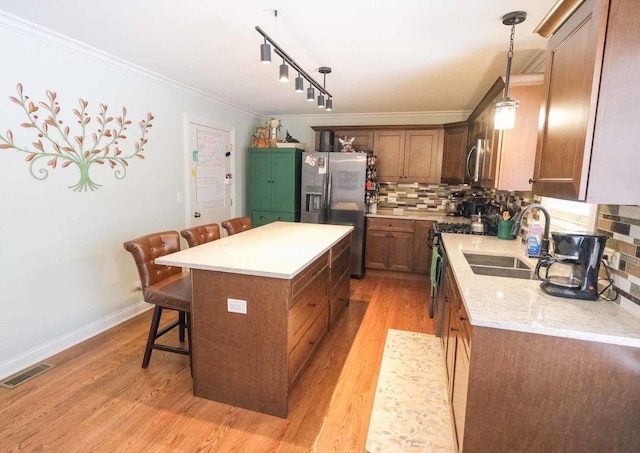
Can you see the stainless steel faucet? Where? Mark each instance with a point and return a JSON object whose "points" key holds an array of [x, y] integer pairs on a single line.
{"points": [[517, 223]]}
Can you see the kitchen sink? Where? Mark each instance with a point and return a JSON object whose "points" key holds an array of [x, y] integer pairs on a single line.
{"points": [[499, 266]]}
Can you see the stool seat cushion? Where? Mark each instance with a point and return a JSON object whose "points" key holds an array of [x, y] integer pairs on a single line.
{"points": [[173, 292]]}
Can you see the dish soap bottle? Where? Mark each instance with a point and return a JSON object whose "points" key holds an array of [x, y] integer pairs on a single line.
{"points": [[534, 240]]}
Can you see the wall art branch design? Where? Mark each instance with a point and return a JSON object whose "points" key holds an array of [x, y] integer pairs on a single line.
{"points": [[57, 144]]}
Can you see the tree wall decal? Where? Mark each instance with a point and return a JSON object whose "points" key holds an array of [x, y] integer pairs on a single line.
{"points": [[58, 145]]}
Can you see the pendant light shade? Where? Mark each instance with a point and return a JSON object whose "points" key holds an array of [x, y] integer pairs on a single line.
{"points": [[329, 105], [265, 53], [310, 94], [320, 101], [284, 72], [506, 108], [299, 84]]}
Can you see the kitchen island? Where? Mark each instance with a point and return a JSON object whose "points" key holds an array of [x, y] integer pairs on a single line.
{"points": [[262, 301], [531, 372]]}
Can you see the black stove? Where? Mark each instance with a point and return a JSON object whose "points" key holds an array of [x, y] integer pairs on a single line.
{"points": [[453, 227]]}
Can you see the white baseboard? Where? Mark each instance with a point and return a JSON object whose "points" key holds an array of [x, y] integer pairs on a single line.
{"points": [[42, 352]]}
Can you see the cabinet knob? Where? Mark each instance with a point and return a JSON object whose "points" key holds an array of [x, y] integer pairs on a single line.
{"points": [[532, 180], [453, 329], [462, 318]]}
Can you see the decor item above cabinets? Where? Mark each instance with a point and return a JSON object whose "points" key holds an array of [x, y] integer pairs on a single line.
{"points": [[409, 155], [589, 135], [507, 157]]}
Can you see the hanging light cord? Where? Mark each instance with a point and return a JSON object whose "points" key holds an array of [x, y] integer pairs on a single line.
{"points": [[509, 57], [278, 50]]}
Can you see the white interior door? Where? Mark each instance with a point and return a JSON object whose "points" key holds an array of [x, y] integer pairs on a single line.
{"points": [[210, 157]]}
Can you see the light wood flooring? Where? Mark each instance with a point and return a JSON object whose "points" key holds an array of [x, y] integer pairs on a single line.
{"points": [[98, 398]]}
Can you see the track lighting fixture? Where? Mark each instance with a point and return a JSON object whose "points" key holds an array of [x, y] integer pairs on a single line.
{"points": [[284, 72], [506, 108], [265, 52], [265, 57], [299, 84]]}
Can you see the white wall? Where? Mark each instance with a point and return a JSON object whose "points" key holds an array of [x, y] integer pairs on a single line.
{"points": [[64, 275]]}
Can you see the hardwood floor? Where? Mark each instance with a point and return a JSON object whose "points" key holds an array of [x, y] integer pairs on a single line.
{"points": [[98, 398]]}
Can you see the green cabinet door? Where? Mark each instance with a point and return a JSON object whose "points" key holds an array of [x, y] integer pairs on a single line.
{"points": [[260, 186], [274, 184], [285, 174]]}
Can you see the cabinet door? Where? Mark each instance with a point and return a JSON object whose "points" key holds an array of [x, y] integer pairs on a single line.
{"points": [[459, 389], [389, 147], [400, 251], [260, 181], [423, 156], [574, 55], [363, 139], [285, 192], [421, 251], [377, 249], [454, 153]]}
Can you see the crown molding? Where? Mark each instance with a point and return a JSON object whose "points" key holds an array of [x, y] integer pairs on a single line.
{"points": [[18, 24]]}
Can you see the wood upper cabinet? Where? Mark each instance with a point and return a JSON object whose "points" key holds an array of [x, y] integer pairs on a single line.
{"points": [[589, 135], [363, 137], [454, 154], [409, 155], [508, 156]]}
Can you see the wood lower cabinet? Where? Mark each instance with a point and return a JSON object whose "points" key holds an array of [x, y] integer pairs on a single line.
{"points": [[421, 251], [588, 140], [390, 244], [339, 278], [524, 392]]}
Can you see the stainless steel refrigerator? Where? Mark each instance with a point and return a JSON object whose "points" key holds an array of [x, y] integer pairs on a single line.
{"points": [[333, 192]]}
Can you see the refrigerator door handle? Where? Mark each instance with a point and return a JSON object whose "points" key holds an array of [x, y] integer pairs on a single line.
{"points": [[329, 189]]}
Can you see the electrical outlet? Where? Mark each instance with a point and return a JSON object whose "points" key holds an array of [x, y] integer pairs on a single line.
{"points": [[612, 258], [237, 306]]}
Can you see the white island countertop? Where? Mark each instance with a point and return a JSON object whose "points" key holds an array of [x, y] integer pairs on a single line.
{"points": [[277, 250], [520, 305]]}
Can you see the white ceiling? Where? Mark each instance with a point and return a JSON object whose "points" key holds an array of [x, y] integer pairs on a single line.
{"points": [[387, 56]]}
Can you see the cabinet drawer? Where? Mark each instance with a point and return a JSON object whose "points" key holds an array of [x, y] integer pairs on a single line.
{"points": [[259, 218], [341, 267], [375, 223], [309, 302], [337, 251], [308, 343], [465, 327], [339, 298], [305, 277]]}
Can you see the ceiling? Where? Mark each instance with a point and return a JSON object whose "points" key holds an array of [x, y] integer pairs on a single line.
{"points": [[387, 56]]}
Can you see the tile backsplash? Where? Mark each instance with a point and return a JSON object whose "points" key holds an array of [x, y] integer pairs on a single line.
{"points": [[621, 223]]}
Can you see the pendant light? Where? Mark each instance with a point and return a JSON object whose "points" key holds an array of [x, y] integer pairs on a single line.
{"points": [[506, 108], [284, 72], [299, 84], [265, 52]]}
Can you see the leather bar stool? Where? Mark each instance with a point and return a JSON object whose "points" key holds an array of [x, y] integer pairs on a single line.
{"points": [[237, 225], [167, 287], [200, 234]]}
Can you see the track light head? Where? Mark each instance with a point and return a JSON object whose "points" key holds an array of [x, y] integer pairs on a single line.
{"points": [[320, 101], [299, 84], [329, 105], [310, 94], [265, 52], [284, 72]]}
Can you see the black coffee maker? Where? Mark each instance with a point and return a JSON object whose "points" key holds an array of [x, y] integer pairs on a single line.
{"points": [[572, 269]]}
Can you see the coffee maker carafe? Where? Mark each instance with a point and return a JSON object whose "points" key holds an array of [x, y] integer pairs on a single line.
{"points": [[572, 269]]}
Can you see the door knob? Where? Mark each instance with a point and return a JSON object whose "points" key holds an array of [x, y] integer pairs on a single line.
{"points": [[196, 214]]}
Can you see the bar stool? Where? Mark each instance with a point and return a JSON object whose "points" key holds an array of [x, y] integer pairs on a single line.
{"points": [[166, 287], [237, 225], [200, 234]]}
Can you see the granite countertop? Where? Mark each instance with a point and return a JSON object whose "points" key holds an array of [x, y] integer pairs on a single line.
{"points": [[418, 215], [517, 304], [278, 250]]}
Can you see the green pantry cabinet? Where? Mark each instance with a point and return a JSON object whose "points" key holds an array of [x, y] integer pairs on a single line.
{"points": [[274, 185]]}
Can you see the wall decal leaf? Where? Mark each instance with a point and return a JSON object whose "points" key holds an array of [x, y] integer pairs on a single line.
{"points": [[103, 139]]}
